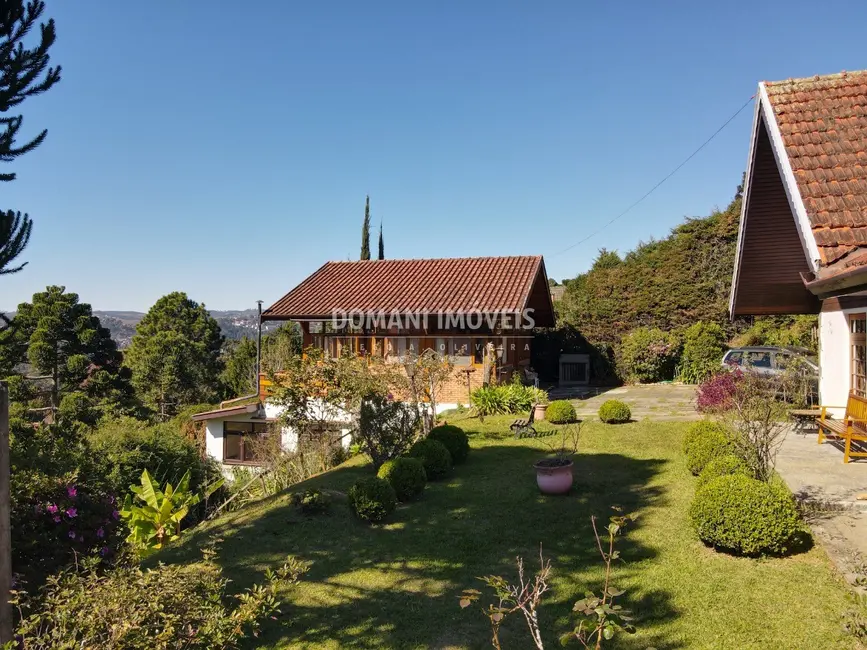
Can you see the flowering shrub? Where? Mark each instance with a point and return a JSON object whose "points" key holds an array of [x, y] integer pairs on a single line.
{"points": [[648, 355], [715, 395]]}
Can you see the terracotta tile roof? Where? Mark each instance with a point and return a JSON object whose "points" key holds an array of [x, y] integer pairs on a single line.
{"points": [[487, 284], [823, 123]]}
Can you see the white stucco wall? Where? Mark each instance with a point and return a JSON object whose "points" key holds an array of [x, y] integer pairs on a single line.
{"points": [[834, 371]]}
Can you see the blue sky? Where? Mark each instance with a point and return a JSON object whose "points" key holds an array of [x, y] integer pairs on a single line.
{"points": [[207, 148]]}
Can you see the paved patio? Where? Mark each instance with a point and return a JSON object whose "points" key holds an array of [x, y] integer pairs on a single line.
{"points": [[658, 401]]}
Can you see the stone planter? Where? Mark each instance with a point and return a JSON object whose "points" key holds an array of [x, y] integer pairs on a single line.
{"points": [[539, 412], [554, 476]]}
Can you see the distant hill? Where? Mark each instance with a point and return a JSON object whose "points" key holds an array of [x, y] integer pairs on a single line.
{"points": [[235, 324]]}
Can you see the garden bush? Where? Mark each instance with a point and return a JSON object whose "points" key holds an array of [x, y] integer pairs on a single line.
{"points": [[311, 502], [741, 515], [454, 439], [406, 476], [724, 465], [716, 393], [614, 411], [434, 456], [506, 398], [386, 428], [648, 355], [560, 411], [705, 441], [372, 498], [703, 347], [167, 607]]}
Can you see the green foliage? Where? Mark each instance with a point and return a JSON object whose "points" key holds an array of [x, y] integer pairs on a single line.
{"points": [[168, 607], [705, 441], [365, 232], [386, 428], [311, 502], [798, 331], [668, 284], [175, 355], [158, 521], [434, 456], [703, 347], [25, 72], [506, 398], [741, 515], [614, 411], [381, 254], [722, 466], [406, 476], [62, 340], [239, 367], [372, 499], [560, 411], [648, 355], [454, 439]]}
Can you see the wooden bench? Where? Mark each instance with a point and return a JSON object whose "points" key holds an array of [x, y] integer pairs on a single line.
{"points": [[524, 428], [853, 426]]}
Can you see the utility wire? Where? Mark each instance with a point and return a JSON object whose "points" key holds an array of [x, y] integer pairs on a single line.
{"points": [[672, 173]]}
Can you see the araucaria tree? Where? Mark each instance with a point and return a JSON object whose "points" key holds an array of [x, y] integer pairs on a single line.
{"points": [[23, 72], [365, 232], [78, 363], [175, 355]]}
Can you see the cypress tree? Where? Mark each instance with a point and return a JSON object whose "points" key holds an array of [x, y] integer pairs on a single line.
{"points": [[24, 72], [381, 244], [365, 232]]}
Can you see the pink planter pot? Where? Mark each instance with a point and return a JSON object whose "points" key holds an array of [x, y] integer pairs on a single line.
{"points": [[553, 480]]}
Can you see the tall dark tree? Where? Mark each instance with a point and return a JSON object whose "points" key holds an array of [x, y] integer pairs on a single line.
{"points": [[381, 255], [175, 355], [365, 232], [24, 72], [61, 340]]}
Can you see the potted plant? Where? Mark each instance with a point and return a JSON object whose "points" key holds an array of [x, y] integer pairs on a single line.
{"points": [[539, 409], [554, 474]]}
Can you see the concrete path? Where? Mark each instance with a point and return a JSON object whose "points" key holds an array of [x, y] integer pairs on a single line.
{"points": [[657, 401]]}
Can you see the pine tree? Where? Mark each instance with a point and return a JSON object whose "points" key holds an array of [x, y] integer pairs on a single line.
{"points": [[24, 73], [381, 244], [365, 232]]}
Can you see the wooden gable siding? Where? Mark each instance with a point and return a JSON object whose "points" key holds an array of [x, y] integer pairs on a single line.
{"points": [[772, 256]]}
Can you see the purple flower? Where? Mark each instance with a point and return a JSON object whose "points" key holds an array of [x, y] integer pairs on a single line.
{"points": [[56, 519], [115, 514], [71, 534], [51, 508], [72, 513], [71, 491], [104, 551], [100, 532]]}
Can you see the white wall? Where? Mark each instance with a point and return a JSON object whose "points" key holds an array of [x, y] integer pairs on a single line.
{"points": [[834, 371]]}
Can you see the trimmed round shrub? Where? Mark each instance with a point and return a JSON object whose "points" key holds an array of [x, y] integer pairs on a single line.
{"points": [[560, 411], [741, 515], [614, 412], [725, 465], [454, 439], [434, 456], [372, 499], [405, 475], [705, 441], [311, 502]]}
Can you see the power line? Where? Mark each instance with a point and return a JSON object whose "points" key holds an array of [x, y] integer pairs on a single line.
{"points": [[672, 173]]}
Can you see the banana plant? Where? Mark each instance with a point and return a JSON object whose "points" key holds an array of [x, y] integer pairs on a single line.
{"points": [[156, 520]]}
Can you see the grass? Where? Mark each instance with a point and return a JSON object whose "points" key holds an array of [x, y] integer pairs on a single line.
{"points": [[396, 585]]}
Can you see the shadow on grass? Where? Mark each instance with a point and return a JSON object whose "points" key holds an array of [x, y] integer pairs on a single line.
{"points": [[395, 585]]}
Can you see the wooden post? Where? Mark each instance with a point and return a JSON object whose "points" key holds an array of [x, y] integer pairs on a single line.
{"points": [[5, 525]]}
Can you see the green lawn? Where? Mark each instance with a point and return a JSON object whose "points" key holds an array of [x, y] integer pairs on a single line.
{"points": [[396, 585]]}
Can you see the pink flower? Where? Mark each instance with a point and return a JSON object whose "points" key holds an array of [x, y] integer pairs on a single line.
{"points": [[100, 533], [51, 508], [71, 491], [56, 519], [72, 513]]}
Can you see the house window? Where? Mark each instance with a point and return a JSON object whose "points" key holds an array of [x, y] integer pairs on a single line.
{"points": [[858, 353], [461, 351], [237, 438]]}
